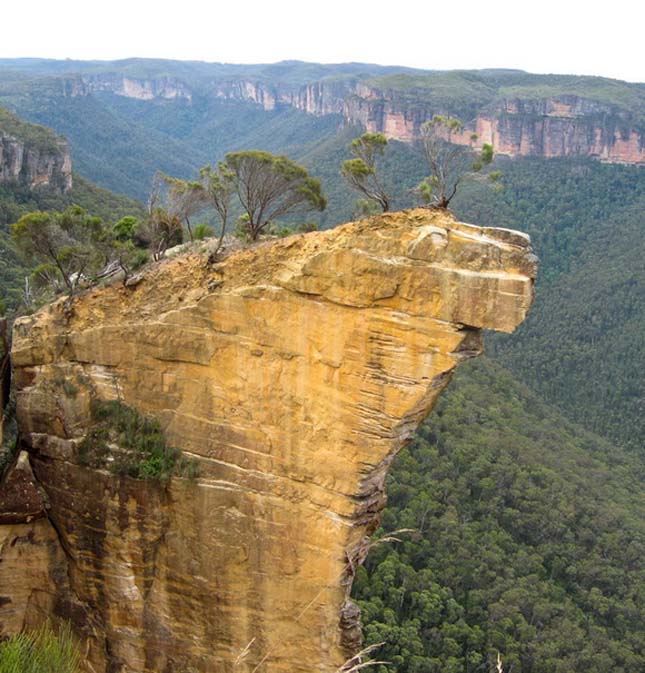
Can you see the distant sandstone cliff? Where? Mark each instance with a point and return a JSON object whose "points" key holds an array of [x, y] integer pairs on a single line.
{"points": [[130, 87], [34, 165], [556, 126], [293, 372], [560, 126]]}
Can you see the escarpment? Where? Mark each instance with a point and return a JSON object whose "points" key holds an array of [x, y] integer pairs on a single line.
{"points": [[34, 164], [552, 126], [292, 372], [141, 88], [527, 123]]}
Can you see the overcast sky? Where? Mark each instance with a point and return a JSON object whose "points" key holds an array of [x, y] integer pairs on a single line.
{"points": [[546, 36]]}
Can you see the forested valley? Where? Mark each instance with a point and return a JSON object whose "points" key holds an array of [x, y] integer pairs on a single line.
{"points": [[523, 490]]}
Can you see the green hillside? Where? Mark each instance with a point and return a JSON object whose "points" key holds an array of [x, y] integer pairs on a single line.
{"points": [[32, 135], [582, 346], [528, 540]]}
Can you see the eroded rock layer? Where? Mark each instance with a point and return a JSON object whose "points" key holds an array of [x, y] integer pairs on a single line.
{"points": [[293, 372]]}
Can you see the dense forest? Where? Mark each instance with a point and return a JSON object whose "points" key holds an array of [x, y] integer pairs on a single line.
{"points": [[524, 487], [528, 540]]}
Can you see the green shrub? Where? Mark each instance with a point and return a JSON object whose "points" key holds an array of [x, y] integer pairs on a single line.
{"points": [[130, 444], [41, 651], [202, 231], [139, 258]]}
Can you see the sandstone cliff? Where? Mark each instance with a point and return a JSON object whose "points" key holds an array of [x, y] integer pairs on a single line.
{"points": [[293, 372], [523, 114], [549, 127], [33, 156], [141, 88], [555, 126]]}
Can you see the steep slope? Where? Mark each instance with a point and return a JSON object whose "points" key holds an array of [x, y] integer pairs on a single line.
{"points": [[529, 541], [293, 373]]}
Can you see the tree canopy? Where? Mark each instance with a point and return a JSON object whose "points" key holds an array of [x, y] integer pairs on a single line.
{"points": [[450, 164], [528, 541], [270, 186], [67, 247], [360, 172]]}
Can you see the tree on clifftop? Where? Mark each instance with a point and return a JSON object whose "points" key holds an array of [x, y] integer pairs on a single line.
{"points": [[450, 164], [360, 172], [183, 199], [218, 187], [68, 247], [270, 186]]}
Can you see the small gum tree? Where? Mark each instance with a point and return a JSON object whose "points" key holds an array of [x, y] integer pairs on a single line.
{"points": [[163, 227], [124, 251], [183, 199], [218, 187], [450, 164], [270, 186], [360, 172], [68, 248]]}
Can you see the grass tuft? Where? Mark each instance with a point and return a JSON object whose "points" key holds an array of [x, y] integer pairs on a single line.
{"points": [[41, 651]]}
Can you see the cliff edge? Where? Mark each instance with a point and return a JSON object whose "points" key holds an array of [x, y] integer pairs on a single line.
{"points": [[293, 372]]}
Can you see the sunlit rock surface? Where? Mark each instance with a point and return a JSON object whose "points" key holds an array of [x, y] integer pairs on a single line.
{"points": [[294, 372]]}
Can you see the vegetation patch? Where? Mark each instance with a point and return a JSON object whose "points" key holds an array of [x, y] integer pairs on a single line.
{"points": [[34, 137], [41, 651], [529, 541], [130, 444]]}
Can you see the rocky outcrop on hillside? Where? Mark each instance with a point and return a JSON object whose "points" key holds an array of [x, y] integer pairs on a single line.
{"points": [[293, 372], [35, 165], [141, 88], [563, 126]]}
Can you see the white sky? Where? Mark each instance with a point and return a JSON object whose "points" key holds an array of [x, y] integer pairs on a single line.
{"points": [[546, 36]]}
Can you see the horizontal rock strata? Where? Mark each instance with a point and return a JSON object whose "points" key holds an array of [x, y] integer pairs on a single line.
{"points": [[293, 372]]}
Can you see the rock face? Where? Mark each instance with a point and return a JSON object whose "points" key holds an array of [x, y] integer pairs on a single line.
{"points": [[564, 126], [556, 126], [140, 88], [293, 372], [30, 552], [560, 126], [317, 98], [33, 166]]}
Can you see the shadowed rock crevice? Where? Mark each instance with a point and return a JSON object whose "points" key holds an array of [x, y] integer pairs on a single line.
{"points": [[293, 372]]}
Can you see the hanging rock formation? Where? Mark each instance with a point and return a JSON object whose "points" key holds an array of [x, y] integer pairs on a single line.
{"points": [[293, 372]]}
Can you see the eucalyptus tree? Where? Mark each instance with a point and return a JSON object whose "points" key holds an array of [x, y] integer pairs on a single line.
{"points": [[451, 163], [270, 186], [217, 187], [66, 248], [360, 172]]}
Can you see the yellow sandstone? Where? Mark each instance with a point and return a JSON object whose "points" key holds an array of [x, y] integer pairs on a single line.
{"points": [[293, 372]]}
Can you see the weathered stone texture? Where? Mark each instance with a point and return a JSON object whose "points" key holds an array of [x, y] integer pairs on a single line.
{"points": [[32, 166], [294, 381]]}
